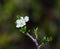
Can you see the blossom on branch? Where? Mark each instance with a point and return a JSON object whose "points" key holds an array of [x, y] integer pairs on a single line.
{"points": [[22, 21]]}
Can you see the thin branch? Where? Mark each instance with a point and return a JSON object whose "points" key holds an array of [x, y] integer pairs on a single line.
{"points": [[30, 36], [37, 45], [34, 40]]}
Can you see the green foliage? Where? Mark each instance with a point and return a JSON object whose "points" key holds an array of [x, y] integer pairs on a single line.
{"points": [[23, 30], [49, 39], [42, 45], [18, 16], [46, 39], [37, 32], [28, 30]]}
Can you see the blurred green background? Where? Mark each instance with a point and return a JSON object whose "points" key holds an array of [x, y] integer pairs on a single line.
{"points": [[43, 13]]}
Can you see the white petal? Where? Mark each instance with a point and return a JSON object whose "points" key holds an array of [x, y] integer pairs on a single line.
{"points": [[21, 23], [17, 21], [17, 26], [21, 18], [26, 18]]}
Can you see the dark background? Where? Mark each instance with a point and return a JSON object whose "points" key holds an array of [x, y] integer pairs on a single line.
{"points": [[43, 13]]}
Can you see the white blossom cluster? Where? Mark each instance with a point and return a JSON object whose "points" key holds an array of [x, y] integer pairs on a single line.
{"points": [[22, 21]]}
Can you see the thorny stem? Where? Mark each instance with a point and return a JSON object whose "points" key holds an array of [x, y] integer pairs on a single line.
{"points": [[34, 40]]}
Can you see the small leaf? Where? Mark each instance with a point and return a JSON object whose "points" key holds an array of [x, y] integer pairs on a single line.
{"points": [[18, 17], [49, 39], [41, 45], [28, 30], [37, 32], [23, 30], [44, 39]]}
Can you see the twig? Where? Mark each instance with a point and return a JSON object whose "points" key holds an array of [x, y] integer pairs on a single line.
{"points": [[34, 40]]}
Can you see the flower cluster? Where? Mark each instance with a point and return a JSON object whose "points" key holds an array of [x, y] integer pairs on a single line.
{"points": [[22, 21]]}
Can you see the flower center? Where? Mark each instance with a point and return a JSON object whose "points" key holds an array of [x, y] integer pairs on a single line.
{"points": [[21, 23]]}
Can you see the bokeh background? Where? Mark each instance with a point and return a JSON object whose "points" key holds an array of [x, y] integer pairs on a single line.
{"points": [[43, 13]]}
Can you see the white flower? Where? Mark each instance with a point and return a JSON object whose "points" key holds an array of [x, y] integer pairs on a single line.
{"points": [[20, 23], [22, 18], [26, 18]]}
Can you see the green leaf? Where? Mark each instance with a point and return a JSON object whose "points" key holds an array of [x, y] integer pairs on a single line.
{"points": [[41, 45], [18, 17], [37, 32], [28, 30], [49, 39], [44, 39], [23, 30]]}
